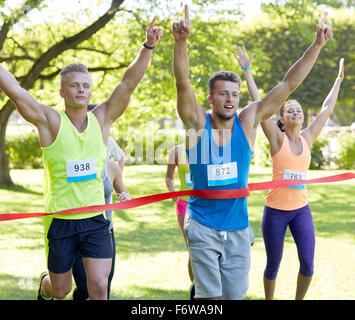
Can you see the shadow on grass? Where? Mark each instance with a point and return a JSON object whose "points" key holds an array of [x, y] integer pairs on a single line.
{"points": [[21, 189], [150, 293]]}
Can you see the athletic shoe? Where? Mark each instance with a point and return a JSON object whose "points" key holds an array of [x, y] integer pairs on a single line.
{"points": [[39, 295], [192, 291]]}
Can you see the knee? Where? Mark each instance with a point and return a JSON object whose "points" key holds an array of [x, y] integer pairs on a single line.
{"points": [[61, 292], [98, 288], [306, 268], [271, 271]]}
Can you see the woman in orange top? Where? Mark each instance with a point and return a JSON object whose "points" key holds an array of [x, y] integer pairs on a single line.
{"points": [[290, 151]]}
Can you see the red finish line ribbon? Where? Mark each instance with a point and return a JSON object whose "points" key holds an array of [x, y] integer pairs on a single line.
{"points": [[207, 194]]}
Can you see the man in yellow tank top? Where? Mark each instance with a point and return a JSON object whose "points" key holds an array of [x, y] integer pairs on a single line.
{"points": [[74, 147]]}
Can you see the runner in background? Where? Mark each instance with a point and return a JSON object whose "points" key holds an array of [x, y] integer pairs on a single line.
{"points": [[113, 181], [178, 158], [290, 151], [113, 149]]}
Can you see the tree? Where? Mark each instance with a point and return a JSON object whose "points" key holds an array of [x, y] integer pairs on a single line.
{"points": [[38, 63], [283, 33]]}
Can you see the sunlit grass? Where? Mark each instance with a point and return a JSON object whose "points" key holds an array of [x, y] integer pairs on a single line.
{"points": [[151, 254]]}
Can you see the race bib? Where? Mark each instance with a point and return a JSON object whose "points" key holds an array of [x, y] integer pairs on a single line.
{"points": [[295, 175], [188, 180], [82, 170], [222, 174]]}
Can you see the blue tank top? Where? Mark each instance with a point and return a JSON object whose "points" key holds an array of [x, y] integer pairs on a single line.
{"points": [[214, 167]]}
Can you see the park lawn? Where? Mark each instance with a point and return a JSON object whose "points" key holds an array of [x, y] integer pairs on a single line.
{"points": [[151, 261]]}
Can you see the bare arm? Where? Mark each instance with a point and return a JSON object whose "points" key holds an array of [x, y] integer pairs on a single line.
{"points": [[294, 76], [169, 175], [117, 103], [46, 119], [245, 63], [115, 174], [191, 114], [271, 131], [311, 133]]}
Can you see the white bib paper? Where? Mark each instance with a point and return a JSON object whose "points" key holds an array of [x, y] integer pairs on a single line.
{"points": [[295, 175], [188, 179], [81, 170], [222, 174]]}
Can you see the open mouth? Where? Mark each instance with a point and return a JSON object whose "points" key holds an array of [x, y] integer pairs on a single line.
{"points": [[229, 107]]}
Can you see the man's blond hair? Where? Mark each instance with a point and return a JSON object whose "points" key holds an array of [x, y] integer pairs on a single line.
{"points": [[73, 67]]}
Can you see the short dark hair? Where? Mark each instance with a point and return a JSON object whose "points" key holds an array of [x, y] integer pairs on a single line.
{"points": [[225, 76]]}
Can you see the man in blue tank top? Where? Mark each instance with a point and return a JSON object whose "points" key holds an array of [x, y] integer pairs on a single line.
{"points": [[219, 148]]}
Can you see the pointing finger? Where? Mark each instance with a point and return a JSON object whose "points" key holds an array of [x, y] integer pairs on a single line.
{"points": [[322, 22], [187, 16], [151, 25]]}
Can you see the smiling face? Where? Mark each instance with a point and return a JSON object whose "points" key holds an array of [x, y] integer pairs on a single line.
{"points": [[292, 114], [76, 89], [224, 99]]}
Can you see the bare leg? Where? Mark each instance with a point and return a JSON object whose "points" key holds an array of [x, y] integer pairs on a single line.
{"points": [[57, 285], [180, 219], [269, 288], [303, 283], [97, 273]]}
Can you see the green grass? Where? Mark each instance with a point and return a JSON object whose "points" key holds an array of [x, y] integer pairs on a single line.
{"points": [[151, 254]]}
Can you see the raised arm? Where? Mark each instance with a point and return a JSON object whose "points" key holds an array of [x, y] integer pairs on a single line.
{"points": [[46, 119], [269, 128], [191, 114], [117, 103], [294, 76], [245, 63], [311, 133]]}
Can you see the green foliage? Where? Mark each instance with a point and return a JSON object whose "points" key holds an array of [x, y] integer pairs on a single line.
{"points": [[346, 152], [318, 160], [279, 40], [24, 152]]}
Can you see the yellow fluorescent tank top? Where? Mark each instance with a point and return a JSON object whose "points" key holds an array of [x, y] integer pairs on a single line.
{"points": [[184, 173], [287, 165], [72, 167]]}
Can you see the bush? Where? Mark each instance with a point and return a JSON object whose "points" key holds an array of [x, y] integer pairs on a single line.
{"points": [[346, 151], [318, 161], [261, 156], [24, 152]]}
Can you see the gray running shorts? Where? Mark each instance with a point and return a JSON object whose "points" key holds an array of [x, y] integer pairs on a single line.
{"points": [[220, 260]]}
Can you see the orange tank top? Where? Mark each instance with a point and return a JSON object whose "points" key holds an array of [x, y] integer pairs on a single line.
{"points": [[286, 165]]}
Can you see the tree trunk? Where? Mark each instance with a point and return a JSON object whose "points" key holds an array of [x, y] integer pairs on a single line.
{"points": [[5, 112]]}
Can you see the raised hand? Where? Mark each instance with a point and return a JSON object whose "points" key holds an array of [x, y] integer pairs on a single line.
{"points": [[181, 30], [324, 33], [242, 57], [153, 35], [341, 69]]}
